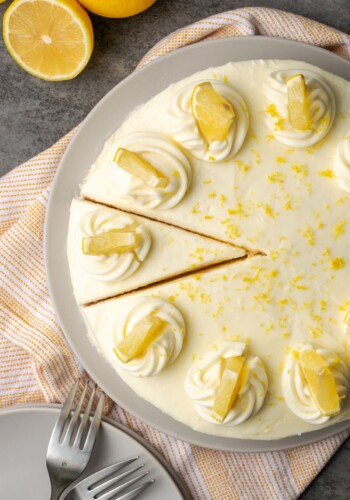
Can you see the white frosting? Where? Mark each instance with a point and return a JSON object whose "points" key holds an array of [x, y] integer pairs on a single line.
{"points": [[183, 125], [342, 163], [296, 391], [164, 155], [165, 348], [115, 266], [321, 105], [204, 377]]}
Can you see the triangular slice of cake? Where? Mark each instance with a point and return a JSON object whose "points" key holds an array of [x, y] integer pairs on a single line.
{"points": [[111, 252]]}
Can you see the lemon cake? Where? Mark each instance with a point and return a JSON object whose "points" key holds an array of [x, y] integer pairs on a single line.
{"points": [[253, 156]]}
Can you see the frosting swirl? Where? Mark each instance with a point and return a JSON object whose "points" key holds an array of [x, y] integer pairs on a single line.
{"points": [[321, 105], [164, 349], [296, 391], [112, 267], [184, 128], [204, 377], [163, 154], [342, 163]]}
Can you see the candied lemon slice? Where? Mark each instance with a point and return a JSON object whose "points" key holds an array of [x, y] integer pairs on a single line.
{"points": [[140, 337], [321, 382], [244, 375], [114, 241], [297, 103], [228, 388], [141, 168], [346, 319], [213, 113]]}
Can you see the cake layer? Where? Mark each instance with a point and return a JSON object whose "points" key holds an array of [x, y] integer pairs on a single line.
{"points": [[162, 252]]}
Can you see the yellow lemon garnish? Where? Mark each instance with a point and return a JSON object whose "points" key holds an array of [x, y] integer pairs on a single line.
{"points": [[297, 103], [134, 164], [116, 8], [213, 113], [346, 320], [114, 241], [140, 337], [230, 384], [51, 39], [321, 382]]}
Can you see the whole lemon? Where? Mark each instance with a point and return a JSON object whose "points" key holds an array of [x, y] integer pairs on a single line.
{"points": [[116, 8]]}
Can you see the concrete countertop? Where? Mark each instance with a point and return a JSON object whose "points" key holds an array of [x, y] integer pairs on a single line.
{"points": [[34, 113]]}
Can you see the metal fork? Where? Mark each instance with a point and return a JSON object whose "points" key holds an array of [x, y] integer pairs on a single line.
{"points": [[104, 484], [72, 441]]}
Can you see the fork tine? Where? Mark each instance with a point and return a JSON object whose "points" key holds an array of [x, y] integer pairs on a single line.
{"points": [[136, 491], [95, 424], [65, 411], [108, 495], [75, 416], [89, 481], [116, 479], [85, 419]]}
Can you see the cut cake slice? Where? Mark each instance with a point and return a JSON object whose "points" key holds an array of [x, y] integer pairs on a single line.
{"points": [[162, 252]]}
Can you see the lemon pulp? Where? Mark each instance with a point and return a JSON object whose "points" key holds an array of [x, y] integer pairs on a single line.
{"points": [[228, 389], [297, 103], [51, 39], [213, 113], [321, 382], [114, 241], [134, 164], [140, 337]]}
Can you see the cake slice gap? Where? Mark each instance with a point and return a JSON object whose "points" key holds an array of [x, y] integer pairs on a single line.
{"points": [[162, 252]]}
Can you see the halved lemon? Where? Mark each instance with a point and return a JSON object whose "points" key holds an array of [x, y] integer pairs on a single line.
{"points": [[140, 337], [321, 382], [213, 113], [114, 241], [228, 389], [134, 164], [51, 39], [297, 103]]}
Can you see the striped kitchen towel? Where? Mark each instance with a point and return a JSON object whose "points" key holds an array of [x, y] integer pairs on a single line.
{"points": [[37, 365]]}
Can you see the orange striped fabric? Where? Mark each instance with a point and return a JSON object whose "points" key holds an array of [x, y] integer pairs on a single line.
{"points": [[37, 365]]}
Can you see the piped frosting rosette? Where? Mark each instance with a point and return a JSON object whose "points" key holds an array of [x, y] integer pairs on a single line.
{"points": [[321, 103], [164, 349], [203, 378], [296, 390], [184, 129], [342, 163], [114, 266], [163, 154]]}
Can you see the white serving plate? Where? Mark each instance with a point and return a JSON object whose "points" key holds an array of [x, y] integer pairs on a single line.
{"points": [[102, 121], [25, 431]]}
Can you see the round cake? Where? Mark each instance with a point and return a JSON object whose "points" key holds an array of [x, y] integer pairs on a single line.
{"points": [[209, 250]]}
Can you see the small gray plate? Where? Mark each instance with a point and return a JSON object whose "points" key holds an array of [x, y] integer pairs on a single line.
{"points": [[103, 120], [25, 431]]}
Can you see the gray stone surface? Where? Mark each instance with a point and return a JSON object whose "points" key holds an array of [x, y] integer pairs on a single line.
{"points": [[34, 113]]}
